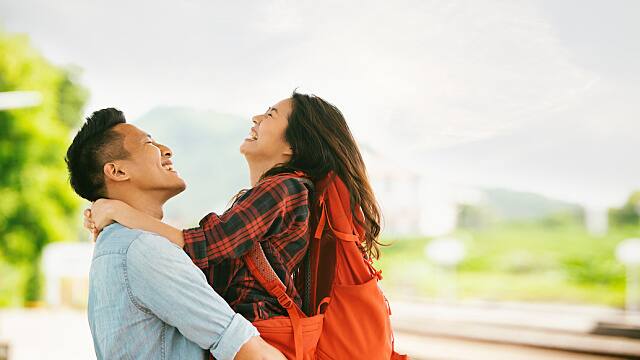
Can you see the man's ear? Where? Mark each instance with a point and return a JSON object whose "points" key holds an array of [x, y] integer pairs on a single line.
{"points": [[288, 151], [115, 172]]}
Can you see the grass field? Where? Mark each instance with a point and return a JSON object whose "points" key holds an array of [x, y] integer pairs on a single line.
{"points": [[523, 262]]}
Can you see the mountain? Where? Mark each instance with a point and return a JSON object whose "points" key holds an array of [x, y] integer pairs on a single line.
{"points": [[205, 146], [509, 205]]}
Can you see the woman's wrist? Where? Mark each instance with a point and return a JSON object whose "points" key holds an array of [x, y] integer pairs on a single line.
{"points": [[178, 237], [117, 210]]}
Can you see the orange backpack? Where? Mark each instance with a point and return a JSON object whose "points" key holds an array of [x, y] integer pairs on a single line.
{"points": [[350, 314]]}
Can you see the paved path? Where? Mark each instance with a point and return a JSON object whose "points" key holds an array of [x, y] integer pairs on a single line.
{"points": [[46, 334], [554, 327], [443, 348], [64, 334]]}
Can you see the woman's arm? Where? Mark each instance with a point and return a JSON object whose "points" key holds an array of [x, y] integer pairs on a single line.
{"points": [[275, 205], [105, 211], [269, 207]]}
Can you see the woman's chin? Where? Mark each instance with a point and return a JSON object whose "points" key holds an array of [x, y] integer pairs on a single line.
{"points": [[246, 146]]}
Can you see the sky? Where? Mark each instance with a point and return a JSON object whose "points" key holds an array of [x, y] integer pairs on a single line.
{"points": [[538, 96]]}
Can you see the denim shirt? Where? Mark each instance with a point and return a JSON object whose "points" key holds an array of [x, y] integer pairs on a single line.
{"points": [[147, 300]]}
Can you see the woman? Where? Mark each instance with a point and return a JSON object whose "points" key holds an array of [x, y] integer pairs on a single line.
{"points": [[302, 136]]}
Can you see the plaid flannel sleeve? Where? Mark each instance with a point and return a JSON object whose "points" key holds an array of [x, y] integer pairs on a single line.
{"points": [[256, 217]]}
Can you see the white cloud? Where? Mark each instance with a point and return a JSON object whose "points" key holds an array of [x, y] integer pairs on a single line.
{"points": [[411, 76]]}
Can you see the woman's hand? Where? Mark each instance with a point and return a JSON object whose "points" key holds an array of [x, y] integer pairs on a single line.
{"points": [[89, 225], [104, 212]]}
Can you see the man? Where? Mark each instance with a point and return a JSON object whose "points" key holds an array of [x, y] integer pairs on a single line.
{"points": [[147, 300]]}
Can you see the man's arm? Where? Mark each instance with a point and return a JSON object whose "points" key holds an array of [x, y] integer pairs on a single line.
{"points": [[165, 281]]}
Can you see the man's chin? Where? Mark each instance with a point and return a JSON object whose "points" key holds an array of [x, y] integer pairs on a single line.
{"points": [[175, 189], [180, 187]]}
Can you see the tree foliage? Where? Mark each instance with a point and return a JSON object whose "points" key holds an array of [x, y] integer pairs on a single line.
{"points": [[37, 205], [628, 214]]}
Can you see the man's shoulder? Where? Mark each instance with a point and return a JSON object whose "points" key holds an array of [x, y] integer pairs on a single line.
{"points": [[117, 239], [152, 258]]}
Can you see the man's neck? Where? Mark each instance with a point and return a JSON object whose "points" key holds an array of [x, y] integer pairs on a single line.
{"points": [[149, 203]]}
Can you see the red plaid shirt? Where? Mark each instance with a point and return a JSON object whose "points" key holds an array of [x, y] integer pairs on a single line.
{"points": [[274, 212]]}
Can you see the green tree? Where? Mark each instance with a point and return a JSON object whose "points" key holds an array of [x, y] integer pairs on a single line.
{"points": [[628, 214], [37, 205]]}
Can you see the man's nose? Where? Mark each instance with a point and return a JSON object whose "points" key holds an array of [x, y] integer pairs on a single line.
{"points": [[165, 150], [256, 119]]}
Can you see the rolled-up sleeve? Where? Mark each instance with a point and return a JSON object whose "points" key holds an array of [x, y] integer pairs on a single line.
{"points": [[164, 281]]}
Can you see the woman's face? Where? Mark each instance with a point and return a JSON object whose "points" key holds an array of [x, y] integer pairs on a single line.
{"points": [[266, 141]]}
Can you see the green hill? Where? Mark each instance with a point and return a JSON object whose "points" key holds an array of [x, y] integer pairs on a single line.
{"points": [[516, 205], [205, 146]]}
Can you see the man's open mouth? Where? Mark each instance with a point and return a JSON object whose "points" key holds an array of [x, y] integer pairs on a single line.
{"points": [[168, 166]]}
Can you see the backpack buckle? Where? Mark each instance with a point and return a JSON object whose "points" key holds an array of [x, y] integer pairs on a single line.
{"points": [[378, 274], [285, 301]]}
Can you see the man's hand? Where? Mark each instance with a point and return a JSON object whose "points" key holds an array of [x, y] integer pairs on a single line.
{"points": [[258, 349]]}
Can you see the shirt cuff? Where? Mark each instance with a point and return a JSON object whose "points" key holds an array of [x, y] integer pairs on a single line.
{"points": [[237, 334], [195, 245]]}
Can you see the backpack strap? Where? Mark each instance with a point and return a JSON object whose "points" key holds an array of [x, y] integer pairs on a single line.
{"points": [[304, 178], [260, 268], [332, 206], [324, 221], [306, 261]]}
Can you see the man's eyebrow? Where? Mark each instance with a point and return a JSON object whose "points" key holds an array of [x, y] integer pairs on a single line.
{"points": [[272, 108]]}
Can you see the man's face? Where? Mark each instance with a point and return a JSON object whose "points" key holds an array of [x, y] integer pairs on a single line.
{"points": [[149, 165]]}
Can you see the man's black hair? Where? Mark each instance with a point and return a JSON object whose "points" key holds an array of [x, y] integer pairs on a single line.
{"points": [[93, 146]]}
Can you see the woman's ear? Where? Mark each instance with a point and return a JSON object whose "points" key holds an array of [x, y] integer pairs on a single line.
{"points": [[115, 172], [288, 151]]}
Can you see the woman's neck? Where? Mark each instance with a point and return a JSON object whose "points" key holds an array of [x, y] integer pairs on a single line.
{"points": [[258, 168]]}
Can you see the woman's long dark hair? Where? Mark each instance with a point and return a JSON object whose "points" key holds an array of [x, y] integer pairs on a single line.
{"points": [[322, 142]]}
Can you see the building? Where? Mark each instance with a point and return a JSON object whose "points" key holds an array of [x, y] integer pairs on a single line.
{"points": [[66, 269]]}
